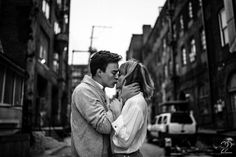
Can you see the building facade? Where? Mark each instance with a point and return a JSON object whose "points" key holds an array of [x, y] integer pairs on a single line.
{"points": [[77, 74], [221, 38], [33, 68], [190, 53]]}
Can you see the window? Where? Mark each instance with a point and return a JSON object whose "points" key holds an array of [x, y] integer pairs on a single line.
{"points": [[190, 10], [9, 84], [181, 22], [56, 62], [166, 71], [170, 66], [204, 108], [174, 32], [57, 28], [165, 119], [203, 40], [66, 18], [159, 120], [192, 54], [200, 3], [11, 87], [223, 27], [184, 56], [2, 82], [77, 73], [43, 49], [232, 91], [230, 8], [164, 44], [46, 8], [59, 3], [18, 91], [177, 68], [182, 118], [1, 48], [43, 54]]}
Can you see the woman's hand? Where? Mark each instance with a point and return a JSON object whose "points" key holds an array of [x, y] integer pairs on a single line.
{"points": [[115, 107], [129, 91]]}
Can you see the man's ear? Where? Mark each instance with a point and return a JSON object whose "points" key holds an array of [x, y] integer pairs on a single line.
{"points": [[99, 72]]}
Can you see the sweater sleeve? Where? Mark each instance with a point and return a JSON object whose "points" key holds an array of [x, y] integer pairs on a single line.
{"points": [[127, 125], [93, 110]]}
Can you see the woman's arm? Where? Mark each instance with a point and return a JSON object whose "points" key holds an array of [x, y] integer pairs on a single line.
{"points": [[127, 125]]}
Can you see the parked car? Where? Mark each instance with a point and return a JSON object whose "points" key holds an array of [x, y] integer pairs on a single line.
{"points": [[179, 127]]}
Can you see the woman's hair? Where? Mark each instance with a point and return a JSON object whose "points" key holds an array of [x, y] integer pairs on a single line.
{"points": [[137, 72]]}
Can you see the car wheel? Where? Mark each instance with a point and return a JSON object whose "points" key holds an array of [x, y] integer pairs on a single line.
{"points": [[161, 139]]}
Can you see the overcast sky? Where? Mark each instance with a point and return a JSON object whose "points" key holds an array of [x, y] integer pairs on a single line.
{"points": [[114, 23]]}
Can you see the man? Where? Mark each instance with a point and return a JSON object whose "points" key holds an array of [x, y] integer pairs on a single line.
{"points": [[90, 116]]}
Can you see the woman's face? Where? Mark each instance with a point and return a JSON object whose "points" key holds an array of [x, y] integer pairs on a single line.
{"points": [[121, 77]]}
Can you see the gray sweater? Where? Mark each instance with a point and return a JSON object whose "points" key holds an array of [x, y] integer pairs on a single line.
{"points": [[90, 120]]}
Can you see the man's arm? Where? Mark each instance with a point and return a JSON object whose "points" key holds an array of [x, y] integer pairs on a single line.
{"points": [[126, 126], [92, 109]]}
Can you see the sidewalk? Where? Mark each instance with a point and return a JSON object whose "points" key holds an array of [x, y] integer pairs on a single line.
{"points": [[219, 133], [46, 146], [217, 140]]}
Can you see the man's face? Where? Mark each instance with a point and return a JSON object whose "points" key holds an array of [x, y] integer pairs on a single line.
{"points": [[110, 76]]}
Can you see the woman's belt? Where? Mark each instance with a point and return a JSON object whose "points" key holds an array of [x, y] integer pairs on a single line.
{"points": [[133, 154]]}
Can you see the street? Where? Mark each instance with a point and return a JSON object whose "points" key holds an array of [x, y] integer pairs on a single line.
{"points": [[151, 150], [148, 150], [63, 149]]}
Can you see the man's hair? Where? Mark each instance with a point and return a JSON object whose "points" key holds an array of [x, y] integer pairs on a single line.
{"points": [[101, 59]]}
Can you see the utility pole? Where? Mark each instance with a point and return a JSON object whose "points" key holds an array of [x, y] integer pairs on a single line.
{"points": [[91, 50]]}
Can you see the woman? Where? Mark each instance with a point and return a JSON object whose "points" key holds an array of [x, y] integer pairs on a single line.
{"points": [[131, 125]]}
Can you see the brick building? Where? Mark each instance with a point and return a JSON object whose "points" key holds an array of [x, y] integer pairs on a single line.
{"points": [[77, 74], [33, 69], [219, 19], [190, 53]]}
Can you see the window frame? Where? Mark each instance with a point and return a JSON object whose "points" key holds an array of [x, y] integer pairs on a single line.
{"points": [[184, 57], [223, 26], [203, 40], [193, 51], [46, 9], [190, 10], [15, 77]]}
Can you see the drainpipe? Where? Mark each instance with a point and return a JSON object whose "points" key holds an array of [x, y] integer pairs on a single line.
{"points": [[210, 69]]}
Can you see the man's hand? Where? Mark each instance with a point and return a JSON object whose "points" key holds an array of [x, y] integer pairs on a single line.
{"points": [[129, 91], [115, 107]]}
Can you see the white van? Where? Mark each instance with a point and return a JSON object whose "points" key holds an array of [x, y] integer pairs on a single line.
{"points": [[178, 126]]}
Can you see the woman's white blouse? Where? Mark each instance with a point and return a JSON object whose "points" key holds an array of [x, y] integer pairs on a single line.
{"points": [[131, 126]]}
